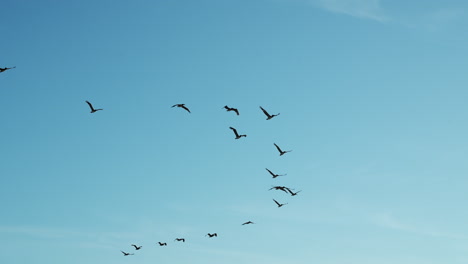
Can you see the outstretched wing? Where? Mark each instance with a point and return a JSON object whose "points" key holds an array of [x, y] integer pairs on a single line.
{"points": [[278, 148], [184, 107], [235, 131], [276, 202], [235, 110], [90, 105], [272, 174], [265, 112]]}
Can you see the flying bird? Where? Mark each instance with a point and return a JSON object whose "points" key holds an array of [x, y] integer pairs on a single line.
{"points": [[92, 108], [274, 175], [231, 109], [180, 239], [237, 134], [212, 235], [182, 106], [281, 188], [162, 244], [280, 150], [126, 254], [136, 247], [293, 193], [279, 204], [6, 68], [267, 114], [248, 223]]}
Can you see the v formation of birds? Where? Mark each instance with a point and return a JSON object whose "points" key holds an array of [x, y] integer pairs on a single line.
{"points": [[237, 136]]}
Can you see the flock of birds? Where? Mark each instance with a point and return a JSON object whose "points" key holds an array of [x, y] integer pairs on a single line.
{"points": [[237, 136]]}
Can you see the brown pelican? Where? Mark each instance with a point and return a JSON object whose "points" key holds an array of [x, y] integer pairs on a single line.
{"points": [[162, 244], [279, 204], [212, 235], [180, 239], [92, 108], [237, 134], [231, 109], [182, 106], [274, 175], [267, 114], [280, 150]]}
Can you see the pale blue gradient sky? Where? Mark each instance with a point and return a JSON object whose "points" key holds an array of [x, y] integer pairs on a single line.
{"points": [[372, 96]]}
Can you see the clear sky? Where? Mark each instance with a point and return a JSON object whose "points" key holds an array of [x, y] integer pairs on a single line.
{"points": [[372, 96]]}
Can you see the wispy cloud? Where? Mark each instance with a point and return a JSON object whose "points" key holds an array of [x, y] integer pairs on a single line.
{"points": [[366, 9]]}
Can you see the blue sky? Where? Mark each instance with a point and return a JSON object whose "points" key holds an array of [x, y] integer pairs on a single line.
{"points": [[372, 96]]}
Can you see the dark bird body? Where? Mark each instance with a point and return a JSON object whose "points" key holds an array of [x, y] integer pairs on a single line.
{"points": [[231, 109], [162, 244], [182, 106], [125, 253], [212, 235], [248, 223], [274, 175], [92, 108], [180, 239], [237, 134], [267, 114], [136, 247], [280, 150], [6, 68], [279, 204]]}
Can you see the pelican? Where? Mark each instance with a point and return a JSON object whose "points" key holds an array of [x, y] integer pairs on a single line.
{"points": [[180, 239], [248, 223], [280, 150], [182, 106], [267, 114], [231, 109], [293, 193], [212, 235], [274, 175], [6, 68], [136, 247], [126, 254], [281, 188], [92, 108], [279, 204], [237, 134], [162, 244]]}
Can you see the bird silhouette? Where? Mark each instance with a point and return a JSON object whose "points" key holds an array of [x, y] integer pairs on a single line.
{"points": [[212, 235], [162, 244], [281, 188], [293, 193], [92, 108], [182, 106], [237, 134], [231, 109], [6, 68], [280, 150], [180, 239], [274, 175], [279, 204], [126, 254], [248, 223], [267, 114], [136, 247]]}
